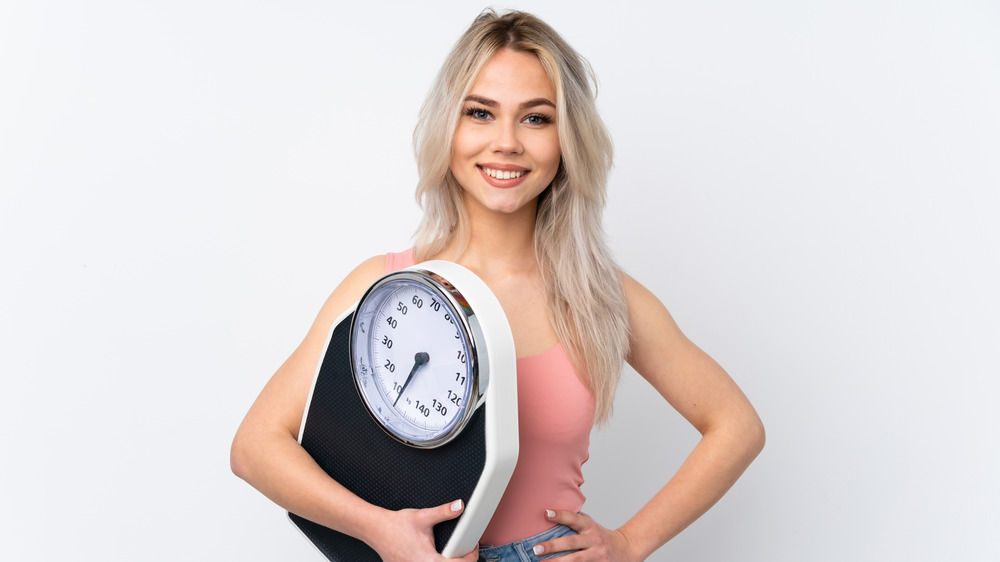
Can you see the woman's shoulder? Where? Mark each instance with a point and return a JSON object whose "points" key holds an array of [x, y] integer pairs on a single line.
{"points": [[636, 294], [632, 289], [370, 270], [647, 314]]}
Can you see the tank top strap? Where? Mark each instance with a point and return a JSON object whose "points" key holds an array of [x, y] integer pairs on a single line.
{"points": [[398, 260]]}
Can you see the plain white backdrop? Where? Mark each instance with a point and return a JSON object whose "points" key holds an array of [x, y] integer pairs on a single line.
{"points": [[811, 187]]}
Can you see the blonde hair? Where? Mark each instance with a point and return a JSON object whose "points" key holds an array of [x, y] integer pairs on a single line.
{"points": [[584, 296]]}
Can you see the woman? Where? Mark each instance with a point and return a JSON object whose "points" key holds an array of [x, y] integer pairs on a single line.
{"points": [[518, 199]]}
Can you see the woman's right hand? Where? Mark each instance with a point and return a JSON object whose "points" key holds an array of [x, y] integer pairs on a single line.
{"points": [[407, 534]]}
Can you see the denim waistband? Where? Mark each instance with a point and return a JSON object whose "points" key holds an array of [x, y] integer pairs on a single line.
{"points": [[520, 551]]}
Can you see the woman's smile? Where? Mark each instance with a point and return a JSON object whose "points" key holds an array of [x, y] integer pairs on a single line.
{"points": [[503, 175]]}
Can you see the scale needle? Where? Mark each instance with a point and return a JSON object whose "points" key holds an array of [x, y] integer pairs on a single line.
{"points": [[421, 358]]}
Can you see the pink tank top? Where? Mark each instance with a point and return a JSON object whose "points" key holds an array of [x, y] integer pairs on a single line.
{"points": [[554, 440]]}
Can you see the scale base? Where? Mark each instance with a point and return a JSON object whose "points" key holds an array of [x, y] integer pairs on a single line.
{"points": [[343, 439]]}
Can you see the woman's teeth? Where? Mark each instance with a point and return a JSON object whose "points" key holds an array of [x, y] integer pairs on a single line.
{"points": [[502, 174]]}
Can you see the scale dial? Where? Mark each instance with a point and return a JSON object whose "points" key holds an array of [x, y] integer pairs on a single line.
{"points": [[414, 357]]}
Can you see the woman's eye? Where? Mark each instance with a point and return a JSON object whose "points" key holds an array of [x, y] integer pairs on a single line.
{"points": [[537, 119], [477, 113]]}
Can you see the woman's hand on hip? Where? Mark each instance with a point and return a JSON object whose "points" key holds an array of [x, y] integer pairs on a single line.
{"points": [[591, 543]]}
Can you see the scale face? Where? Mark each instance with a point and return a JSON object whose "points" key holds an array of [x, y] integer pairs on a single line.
{"points": [[414, 404], [414, 357]]}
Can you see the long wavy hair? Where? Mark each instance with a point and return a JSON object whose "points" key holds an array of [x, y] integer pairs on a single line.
{"points": [[584, 296]]}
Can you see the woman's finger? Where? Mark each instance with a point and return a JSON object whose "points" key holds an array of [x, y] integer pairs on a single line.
{"points": [[576, 521], [569, 543], [433, 515]]}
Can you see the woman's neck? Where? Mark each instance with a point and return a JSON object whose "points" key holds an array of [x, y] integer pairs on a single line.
{"points": [[499, 244]]}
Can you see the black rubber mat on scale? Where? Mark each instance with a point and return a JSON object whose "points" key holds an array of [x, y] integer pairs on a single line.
{"points": [[344, 440]]}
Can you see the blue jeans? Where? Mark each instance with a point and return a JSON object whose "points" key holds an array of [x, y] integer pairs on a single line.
{"points": [[520, 551]]}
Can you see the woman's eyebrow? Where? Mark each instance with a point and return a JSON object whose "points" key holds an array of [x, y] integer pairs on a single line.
{"points": [[537, 101], [485, 101], [492, 103]]}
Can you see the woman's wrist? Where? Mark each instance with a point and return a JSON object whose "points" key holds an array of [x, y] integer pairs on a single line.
{"points": [[371, 524], [633, 550]]}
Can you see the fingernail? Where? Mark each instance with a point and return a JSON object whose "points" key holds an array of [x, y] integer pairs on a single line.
{"points": [[538, 550], [456, 505], [549, 513]]}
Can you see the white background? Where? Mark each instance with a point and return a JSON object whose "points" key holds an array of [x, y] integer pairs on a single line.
{"points": [[811, 188]]}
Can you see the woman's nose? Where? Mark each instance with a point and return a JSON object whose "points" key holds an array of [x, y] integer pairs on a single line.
{"points": [[507, 139]]}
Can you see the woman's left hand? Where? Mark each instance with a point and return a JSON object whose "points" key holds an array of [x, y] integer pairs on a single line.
{"points": [[592, 541]]}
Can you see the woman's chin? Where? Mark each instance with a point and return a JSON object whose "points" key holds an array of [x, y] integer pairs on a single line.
{"points": [[510, 207]]}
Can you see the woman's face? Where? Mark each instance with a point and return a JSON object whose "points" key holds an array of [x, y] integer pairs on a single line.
{"points": [[506, 147]]}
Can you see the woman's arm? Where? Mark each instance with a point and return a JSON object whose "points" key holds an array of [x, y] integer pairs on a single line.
{"points": [[266, 453], [701, 391]]}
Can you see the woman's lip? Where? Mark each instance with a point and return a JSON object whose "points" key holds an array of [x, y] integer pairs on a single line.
{"points": [[497, 182], [503, 167]]}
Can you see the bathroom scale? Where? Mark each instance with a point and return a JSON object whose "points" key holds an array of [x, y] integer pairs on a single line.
{"points": [[414, 404]]}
